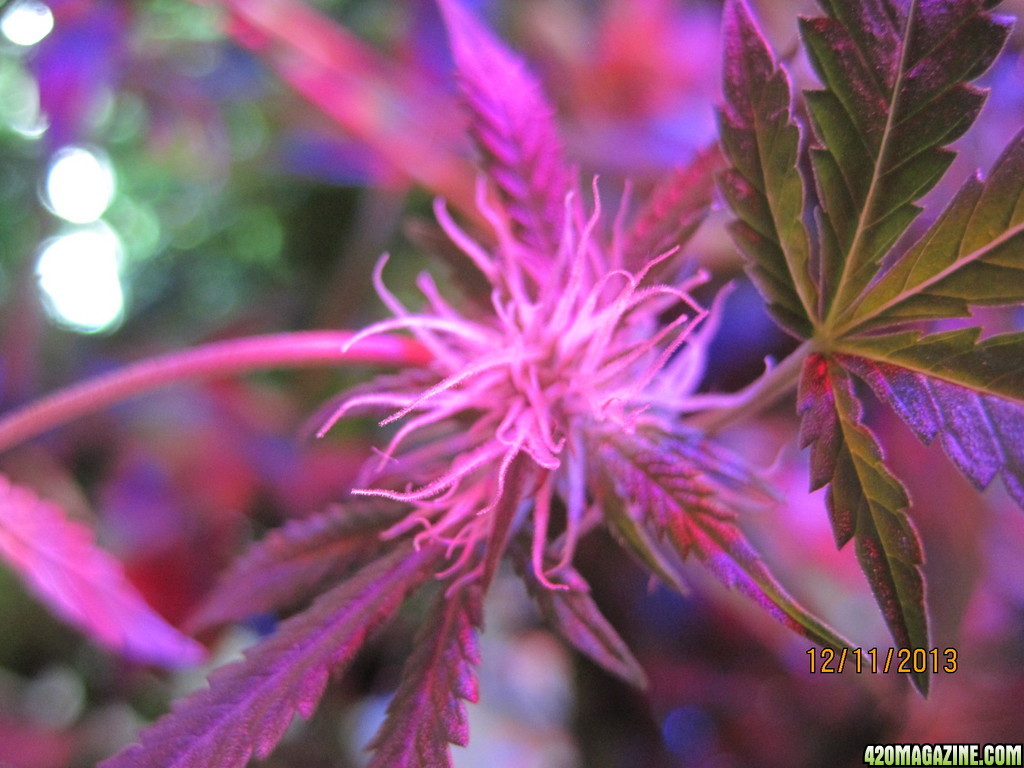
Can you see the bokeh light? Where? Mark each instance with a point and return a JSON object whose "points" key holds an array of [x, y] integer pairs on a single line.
{"points": [[79, 185], [19, 100], [26, 22], [79, 274]]}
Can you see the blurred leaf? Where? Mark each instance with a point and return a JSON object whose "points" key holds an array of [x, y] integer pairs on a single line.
{"points": [[249, 704], [293, 562], [514, 130], [60, 564], [673, 212], [399, 115]]}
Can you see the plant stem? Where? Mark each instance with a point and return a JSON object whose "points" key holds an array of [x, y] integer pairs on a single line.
{"points": [[223, 358], [758, 396]]}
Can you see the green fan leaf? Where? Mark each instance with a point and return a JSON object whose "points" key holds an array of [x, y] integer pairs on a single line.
{"points": [[896, 92], [866, 503], [969, 393], [762, 184], [970, 256], [994, 366]]}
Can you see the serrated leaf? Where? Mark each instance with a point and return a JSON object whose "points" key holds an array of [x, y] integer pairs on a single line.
{"points": [[948, 385], [292, 563], [672, 213], [574, 615], [763, 185], [634, 537], [895, 74], [59, 562], [248, 705], [865, 502], [971, 255], [503, 516], [427, 713], [669, 486], [994, 366], [513, 127]]}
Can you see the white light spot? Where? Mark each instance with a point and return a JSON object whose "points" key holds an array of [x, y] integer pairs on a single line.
{"points": [[80, 276], [19, 100], [26, 22], [79, 185]]}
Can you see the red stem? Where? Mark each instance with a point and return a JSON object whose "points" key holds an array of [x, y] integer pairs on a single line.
{"points": [[224, 358]]}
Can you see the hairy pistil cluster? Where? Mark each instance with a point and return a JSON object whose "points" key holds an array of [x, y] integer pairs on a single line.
{"points": [[572, 344]]}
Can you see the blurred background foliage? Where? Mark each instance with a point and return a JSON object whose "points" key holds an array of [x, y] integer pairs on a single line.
{"points": [[174, 172]]}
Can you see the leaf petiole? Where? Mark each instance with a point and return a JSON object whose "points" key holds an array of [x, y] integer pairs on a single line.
{"points": [[218, 359], [758, 396]]}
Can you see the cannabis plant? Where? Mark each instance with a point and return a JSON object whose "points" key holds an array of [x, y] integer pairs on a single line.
{"points": [[556, 388]]}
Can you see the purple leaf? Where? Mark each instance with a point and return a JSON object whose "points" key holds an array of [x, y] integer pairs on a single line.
{"points": [[574, 615], [427, 713], [679, 490], [59, 562], [983, 434], [292, 563], [504, 515], [671, 215], [249, 704], [513, 127]]}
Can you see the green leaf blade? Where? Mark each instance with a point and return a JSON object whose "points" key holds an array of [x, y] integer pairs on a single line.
{"points": [[969, 393], [994, 366], [895, 77], [763, 185], [970, 256], [866, 502]]}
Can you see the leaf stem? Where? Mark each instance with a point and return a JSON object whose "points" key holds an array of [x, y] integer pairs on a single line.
{"points": [[223, 358], [759, 395]]}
